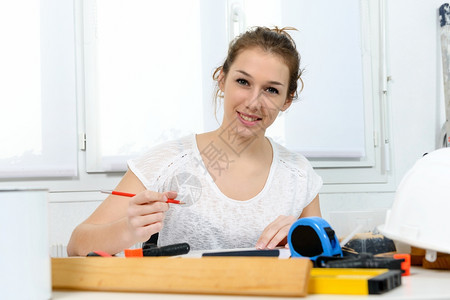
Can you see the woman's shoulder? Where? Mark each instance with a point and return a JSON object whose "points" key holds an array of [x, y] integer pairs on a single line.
{"points": [[166, 152], [296, 166], [290, 157], [150, 166], [182, 143]]}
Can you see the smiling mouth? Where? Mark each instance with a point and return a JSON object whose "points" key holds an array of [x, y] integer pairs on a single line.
{"points": [[249, 118]]}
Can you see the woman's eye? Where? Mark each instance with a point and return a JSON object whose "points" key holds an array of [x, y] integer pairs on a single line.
{"points": [[272, 90], [242, 81]]}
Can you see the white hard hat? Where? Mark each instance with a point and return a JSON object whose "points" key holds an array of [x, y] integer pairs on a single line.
{"points": [[420, 214]]}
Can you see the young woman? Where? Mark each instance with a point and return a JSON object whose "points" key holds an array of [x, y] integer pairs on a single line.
{"points": [[240, 188]]}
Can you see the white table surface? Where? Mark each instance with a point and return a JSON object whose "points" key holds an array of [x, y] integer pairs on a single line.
{"points": [[420, 284]]}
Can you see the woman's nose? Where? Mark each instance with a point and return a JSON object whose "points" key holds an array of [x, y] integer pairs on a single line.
{"points": [[255, 100]]}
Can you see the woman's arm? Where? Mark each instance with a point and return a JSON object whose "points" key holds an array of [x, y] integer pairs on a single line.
{"points": [[120, 222], [313, 209], [276, 232]]}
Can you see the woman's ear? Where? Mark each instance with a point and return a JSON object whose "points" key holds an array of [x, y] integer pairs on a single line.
{"points": [[287, 103], [221, 80]]}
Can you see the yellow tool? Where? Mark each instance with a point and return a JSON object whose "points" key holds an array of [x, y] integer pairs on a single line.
{"points": [[352, 281]]}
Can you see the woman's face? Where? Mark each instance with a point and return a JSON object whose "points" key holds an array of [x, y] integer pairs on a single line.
{"points": [[255, 91]]}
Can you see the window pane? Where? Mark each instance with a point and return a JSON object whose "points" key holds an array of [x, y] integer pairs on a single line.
{"points": [[20, 120], [148, 86], [38, 116]]}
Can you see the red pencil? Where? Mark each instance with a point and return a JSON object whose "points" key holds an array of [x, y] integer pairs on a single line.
{"points": [[117, 193]]}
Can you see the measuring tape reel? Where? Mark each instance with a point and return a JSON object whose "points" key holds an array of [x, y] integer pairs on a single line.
{"points": [[312, 237]]}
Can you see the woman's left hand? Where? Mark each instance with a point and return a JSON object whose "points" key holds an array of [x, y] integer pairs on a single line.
{"points": [[276, 233]]}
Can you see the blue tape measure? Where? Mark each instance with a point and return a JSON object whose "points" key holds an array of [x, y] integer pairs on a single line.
{"points": [[312, 237]]}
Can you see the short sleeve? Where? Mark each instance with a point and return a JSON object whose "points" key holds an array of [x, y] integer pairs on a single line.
{"points": [[153, 167], [304, 182], [314, 182]]}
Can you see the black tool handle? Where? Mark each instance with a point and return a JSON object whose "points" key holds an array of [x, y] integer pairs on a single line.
{"points": [[169, 250]]}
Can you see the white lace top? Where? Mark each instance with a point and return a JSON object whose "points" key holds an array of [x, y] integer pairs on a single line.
{"points": [[210, 219]]}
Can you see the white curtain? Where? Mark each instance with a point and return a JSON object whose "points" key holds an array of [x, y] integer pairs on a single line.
{"points": [[37, 94]]}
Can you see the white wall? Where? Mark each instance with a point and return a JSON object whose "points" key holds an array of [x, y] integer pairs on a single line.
{"points": [[416, 113]]}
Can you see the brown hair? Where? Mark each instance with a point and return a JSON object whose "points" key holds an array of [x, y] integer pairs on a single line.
{"points": [[276, 41]]}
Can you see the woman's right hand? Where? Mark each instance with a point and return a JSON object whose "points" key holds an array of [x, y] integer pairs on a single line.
{"points": [[146, 213]]}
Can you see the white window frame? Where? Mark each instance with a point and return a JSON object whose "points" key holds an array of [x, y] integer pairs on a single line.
{"points": [[373, 173]]}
